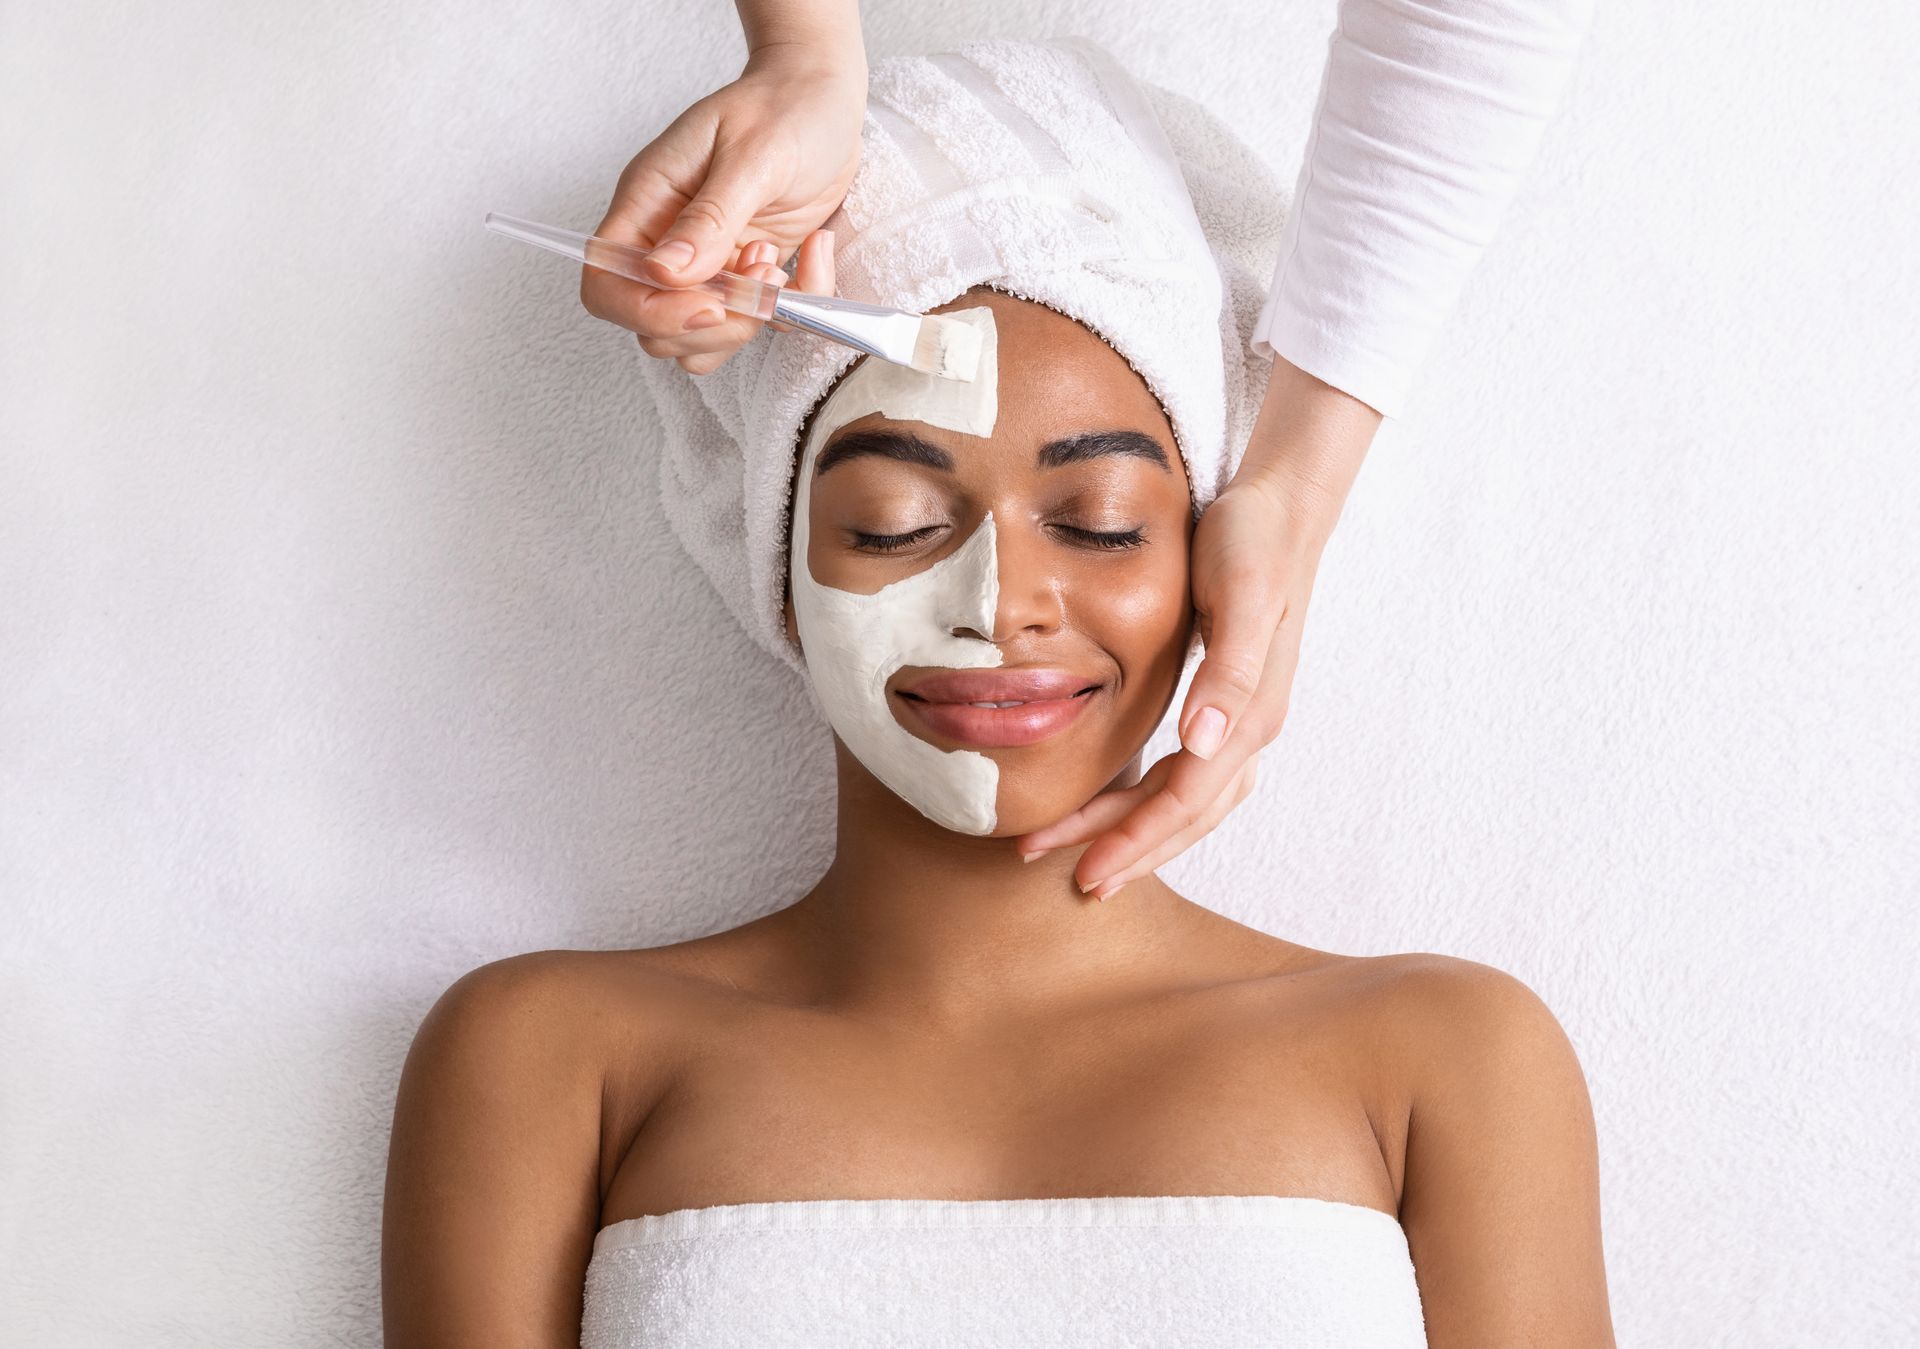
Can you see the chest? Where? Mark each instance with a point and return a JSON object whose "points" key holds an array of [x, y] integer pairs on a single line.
{"points": [[1174, 1100]]}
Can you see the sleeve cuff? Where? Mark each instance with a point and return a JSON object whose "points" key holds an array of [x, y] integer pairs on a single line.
{"points": [[1282, 331]]}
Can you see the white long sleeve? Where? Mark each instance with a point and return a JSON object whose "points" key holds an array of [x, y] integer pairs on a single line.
{"points": [[1428, 117]]}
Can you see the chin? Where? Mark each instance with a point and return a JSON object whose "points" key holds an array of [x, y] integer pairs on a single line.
{"points": [[1022, 813]]}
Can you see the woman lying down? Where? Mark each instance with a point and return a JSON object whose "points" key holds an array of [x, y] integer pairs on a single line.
{"points": [[943, 1098]]}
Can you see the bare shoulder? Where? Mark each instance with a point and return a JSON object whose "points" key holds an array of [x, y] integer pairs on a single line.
{"points": [[544, 1007], [1444, 1006], [1420, 1020], [574, 1012], [579, 990], [1500, 1197], [1463, 1039], [534, 981], [514, 1009], [502, 1047], [521, 1081], [1421, 999], [573, 1039], [492, 1190]]}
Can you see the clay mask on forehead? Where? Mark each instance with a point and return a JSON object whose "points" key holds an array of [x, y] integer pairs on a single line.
{"points": [[855, 643]]}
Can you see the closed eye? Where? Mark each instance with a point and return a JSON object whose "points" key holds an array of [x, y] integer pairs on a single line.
{"points": [[1123, 538], [1093, 538], [892, 543]]}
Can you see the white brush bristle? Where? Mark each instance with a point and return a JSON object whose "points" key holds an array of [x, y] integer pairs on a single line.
{"points": [[947, 348]]}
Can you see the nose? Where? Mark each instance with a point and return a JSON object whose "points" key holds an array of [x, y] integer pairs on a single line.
{"points": [[1029, 598], [1008, 588]]}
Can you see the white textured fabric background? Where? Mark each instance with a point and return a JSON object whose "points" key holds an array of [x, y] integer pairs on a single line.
{"points": [[342, 647]]}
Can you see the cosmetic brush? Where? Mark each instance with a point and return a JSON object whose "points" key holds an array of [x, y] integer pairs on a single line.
{"points": [[928, 343]]}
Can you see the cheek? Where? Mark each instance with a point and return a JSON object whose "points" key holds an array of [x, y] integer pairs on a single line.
{"points": [[1138, 608]]}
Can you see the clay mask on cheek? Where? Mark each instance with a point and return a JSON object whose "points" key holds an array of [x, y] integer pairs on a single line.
{"points": [[855, 643]]}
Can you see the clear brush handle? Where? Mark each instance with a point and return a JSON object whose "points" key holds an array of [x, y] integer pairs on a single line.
{"points": [[741, 294]]}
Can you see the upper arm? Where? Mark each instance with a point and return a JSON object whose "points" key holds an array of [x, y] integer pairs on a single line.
{"points": [[492, 1195], [1501, 1202]]}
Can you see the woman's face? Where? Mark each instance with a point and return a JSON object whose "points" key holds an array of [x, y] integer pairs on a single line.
{"points": [[1086, 574]]}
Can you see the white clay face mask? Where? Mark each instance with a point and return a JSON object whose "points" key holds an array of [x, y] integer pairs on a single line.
{"points": [[855, 643]]}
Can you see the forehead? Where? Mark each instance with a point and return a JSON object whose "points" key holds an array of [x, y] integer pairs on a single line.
{"points": [[1057, 380], [1053, 368]]}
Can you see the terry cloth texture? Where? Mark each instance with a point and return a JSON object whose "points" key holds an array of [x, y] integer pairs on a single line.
{"points": [[1211, 1271], [1041, 169]]}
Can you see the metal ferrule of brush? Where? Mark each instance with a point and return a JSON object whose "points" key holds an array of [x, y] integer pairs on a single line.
{"points": [[887, 333]]}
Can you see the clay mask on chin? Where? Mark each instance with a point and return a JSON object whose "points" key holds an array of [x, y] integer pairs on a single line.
{"points": [[855, 643]]}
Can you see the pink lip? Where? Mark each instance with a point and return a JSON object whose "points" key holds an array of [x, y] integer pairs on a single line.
{"points": [[1050, 701], [1034, 684]]}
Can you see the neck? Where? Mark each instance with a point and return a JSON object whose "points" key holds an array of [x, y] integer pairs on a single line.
{"points": [[915, 919]]}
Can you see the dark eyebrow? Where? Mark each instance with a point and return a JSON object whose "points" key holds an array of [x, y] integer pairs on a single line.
{"points": [[1093, 444], [901, 445], [911, 449]]}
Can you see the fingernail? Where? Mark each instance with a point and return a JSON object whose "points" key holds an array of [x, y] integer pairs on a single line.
{"points": [[1088, 886], [1029, 856], [706, 318], [675, 255], [1205, 732], [1110, 890]]}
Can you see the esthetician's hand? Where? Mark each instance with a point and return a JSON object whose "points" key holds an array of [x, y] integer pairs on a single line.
{"points": [[1256, 552], [757, 165]]}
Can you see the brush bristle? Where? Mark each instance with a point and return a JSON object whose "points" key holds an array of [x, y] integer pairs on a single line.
{"points": [[947, 348]]}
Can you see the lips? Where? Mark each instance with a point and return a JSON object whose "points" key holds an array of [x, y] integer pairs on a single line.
{"points": [[1047, 702], [997, 686]]}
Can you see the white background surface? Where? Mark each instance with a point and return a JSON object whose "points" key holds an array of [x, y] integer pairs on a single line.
{"points": [[343, 648]]}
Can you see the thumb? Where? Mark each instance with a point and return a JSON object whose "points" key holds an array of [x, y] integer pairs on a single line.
{"points": [[1239, 638], [707, 231]]}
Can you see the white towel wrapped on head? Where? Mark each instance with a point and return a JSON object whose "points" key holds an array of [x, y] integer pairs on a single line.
{"points": [[1040, 169]]}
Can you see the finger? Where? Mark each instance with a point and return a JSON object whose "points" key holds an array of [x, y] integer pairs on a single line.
{"points": [[653, 190], [705, 348], [1192, 786], [777, 275], [657, 183], [812, 270], [761, 261], [709, 348], [713, 327], [813, 273], [1240, 634], [648, 311], [710, 226], [1236, 793]]}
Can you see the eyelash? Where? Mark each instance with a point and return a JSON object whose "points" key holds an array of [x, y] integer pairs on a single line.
{"points": [[1113, 540]]}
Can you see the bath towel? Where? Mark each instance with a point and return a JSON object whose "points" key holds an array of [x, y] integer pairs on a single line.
{"points": [[1156, 1271]]}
